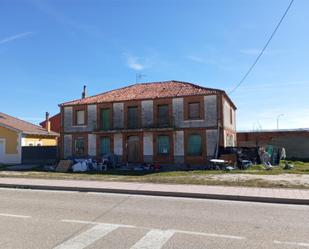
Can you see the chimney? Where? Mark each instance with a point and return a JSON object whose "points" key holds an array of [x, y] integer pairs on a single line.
{"points": [[84, 93], [47, 125]]}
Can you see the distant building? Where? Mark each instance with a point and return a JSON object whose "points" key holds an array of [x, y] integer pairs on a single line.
{"points": [[15, 133], [295, 141], [168, 122], [55, 123]]}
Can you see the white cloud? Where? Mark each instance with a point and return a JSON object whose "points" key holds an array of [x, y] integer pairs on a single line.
{"points": [[135, 63], [149, 59], [14, 37]]}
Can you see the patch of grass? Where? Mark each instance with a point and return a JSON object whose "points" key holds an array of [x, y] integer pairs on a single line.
{"points": [[258, 176]]}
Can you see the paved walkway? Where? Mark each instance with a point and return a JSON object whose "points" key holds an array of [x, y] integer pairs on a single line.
{"points": [[275, 195]]}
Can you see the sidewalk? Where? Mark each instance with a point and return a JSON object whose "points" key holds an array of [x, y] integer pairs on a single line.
{"points": [[271, 195]]}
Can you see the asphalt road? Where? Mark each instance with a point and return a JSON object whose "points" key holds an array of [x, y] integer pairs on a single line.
{"points": [[51, 219]]}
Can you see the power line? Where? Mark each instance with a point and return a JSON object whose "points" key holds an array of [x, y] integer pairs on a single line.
{"points": [[264, 48]]}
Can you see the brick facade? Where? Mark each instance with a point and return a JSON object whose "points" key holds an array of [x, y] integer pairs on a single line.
{"points": [[143, 138]]}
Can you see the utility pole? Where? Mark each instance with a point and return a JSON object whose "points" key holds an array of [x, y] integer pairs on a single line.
{"points": [[280, 115]]}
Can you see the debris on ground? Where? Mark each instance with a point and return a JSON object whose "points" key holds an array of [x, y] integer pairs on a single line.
{"points": [[64, 166], [229, 168], [288, 166], [268, 165], [49, 168]]}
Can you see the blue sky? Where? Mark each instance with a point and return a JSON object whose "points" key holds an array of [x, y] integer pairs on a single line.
{"points": [[50, 49]]}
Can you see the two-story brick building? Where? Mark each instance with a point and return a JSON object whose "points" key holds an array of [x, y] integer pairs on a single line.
{"points": [[164, 122]]}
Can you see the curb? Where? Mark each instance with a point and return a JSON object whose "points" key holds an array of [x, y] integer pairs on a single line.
{"points": [[162, 193]]}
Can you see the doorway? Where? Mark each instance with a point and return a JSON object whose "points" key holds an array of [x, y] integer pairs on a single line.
{"points": [[133, 149]]}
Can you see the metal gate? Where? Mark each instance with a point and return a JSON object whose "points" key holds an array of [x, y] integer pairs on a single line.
{"points": [[39, 154]]}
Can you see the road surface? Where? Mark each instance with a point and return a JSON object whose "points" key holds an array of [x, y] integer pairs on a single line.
{"points": [[53, 219]]}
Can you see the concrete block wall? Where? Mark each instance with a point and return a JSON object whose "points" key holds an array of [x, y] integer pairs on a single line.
{"points": [[296, 143]]}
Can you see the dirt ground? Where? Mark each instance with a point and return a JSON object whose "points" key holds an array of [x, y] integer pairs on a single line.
{"points": [[201, 178], [284, 180]]}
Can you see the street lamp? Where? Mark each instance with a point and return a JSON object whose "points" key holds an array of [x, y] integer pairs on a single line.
{"points": [[280, 115]]}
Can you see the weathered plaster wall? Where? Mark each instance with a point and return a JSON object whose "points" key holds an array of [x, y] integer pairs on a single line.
{"points": [[67, 146], [226, 116], [211, 142], [179, 147], [118, 115], [178, 115], [118, 144], [210, 115], [147, 113], [92, 117], [211, 112], [92, 145], [148, 147], [91, 120], [229, 138]]}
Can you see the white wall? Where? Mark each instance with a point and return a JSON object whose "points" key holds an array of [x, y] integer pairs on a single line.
{"points": [[148, 144], [226, 116], [118, 144], [92, 145]]}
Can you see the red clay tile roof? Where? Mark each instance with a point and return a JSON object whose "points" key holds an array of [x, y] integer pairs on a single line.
{"points": [[55, 123], [23, 126], [151, 90]]}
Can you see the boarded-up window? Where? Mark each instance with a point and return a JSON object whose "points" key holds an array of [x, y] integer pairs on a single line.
{"points": [[80, 146], [163, 144], [194, 145], [132, 117], [80, 117], [105, 146], [105, 119], [163, 116], [194, 110]]}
